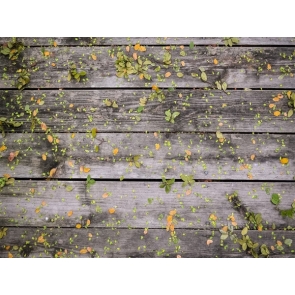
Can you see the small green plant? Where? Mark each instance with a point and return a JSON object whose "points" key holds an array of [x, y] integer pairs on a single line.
{"points": [[167, 183], [12, 49], [141, 68], [74, 74], [89, 181], [134, 160], [33, 117], [23, 79], [170, 117], [3, 231], [247, 244], [288, 212], [275, 199], [124, 65], [230, 41], [255, 219], [167, 58], [6, 180], [110, 103], [291, 103], [157, 94], [8, 123], [187, 179]]}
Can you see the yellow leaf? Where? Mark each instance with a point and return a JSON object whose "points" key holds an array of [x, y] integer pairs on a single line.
{"points": [[115, 151], [86, 169], [83, 251], [172, 212], [41, 239], [93, 56], [54, 43], [268, 66], [89, 235], [209, 242], [53, 64], [276, 99], [87, 222], [259, 228], [78, 225], [112, 210], [213, 217], [252, 157], [215, 61], [73, 135], [105, 195], [277, 113], [52, 172], [142, 48], [141, 76], [135, 56], [169, 218], [155, 87], [284, 160], [168, 74], [70, 213], [10, 255], [189, 153], [37, 210], [46, 53], [3, 148], [71, 105], [49, 138], [171, 227], [136, 46], [157, 145], [44, 157]]}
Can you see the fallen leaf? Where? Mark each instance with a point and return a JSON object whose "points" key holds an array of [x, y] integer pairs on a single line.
{"points": [[145, 231], [52, 172], [155, 134], [83, 251], [46, 53], [78, 225], [189, 153], [43, 203], [37, 210], [142, 48], [252, 157], [155, 87], [7, 247], [136, 46], [157, 145], [89, 249], [276, 99], [112, 210], [93, 56], [71, 105], [44, 157], [272, 248], [284, 160], [41, 239], [70, 213], [127, 48], [215, 61], [49, 138], [271, 105], [105, 195], [171, 227], [89, 235], [134, 56], [3, 148], [32, 191], [168, 74], [250, 175], [188, 192], [183, 63], [115, 151], [141, 76], [88, 222], [53, 64], [279, 243], [225, 228], [43, 126], [209, 242], [172, 212], [213, 217], [178, 256], [12, 155], [54, 43], [169, 219], [71, 163], [277, 113], [10, 255], [268, 66], [234, 223], [259, 228]]}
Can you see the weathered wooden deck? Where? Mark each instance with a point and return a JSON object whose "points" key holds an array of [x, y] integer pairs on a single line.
{"points": [[230, 141]]}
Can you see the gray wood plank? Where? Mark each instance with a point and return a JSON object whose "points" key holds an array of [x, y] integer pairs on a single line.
{"points": [[96, 41], [209, 159], [116, 243], [140, 204], [240, 67], [79, 110]]}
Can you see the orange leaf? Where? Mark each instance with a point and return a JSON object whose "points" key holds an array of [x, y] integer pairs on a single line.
{"points": [[10, 255], [209, 242], [141, 76], [93, 56], [135, 56], [71, 105], [43, 203], [127, 48], [215, 61], [115, 151], [188, 192], [213, 217], [54, 43], [49, 138], [168, 74], [145, 231], [6, 175], [155, 134], [272, 248], [37, 210], [78, 225], [171, 227], [277, 113], [70, 213], [41, 239], [84, 169], [44, 157], [136, 46], [252, 157], [172, 212], [271, 105], [259, 228], [279, 243], [268, 66], [52, 172], [234, 223], [276, 99], [188, 152], [169, 218], [32, 191], [225, 228], [89, 249], [7, 247], [44, 127], [284, 160], [83, 251], [112, 210], [89, 235], [46, 53], [3, 148], [12, 155], [87, 222], [142, 48], [53, 64], [155, 87], [105, 195], [71, 164], [157, 145]]}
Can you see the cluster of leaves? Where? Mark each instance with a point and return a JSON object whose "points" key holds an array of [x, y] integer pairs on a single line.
{"points": [[33, 117], [3, 231], [167, 183], [23, 79], [171, 116], [275, 199], [291, 103], [187, 179], [230, 41], [12, 49], [74, 74], [157, 94], [9, 123], [6, 180], [89, 181], [221, 85], [110, 103], [134, 160], [248, 245]]}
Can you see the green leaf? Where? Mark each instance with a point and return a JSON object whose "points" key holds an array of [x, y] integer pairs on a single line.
{"points": [[180, 75], [171, 181], [140, 109], [218, 85], [204, 76], [137, 164], [175, 114], [168, 113], [150, 200], [223, 236], [219, 134], [224, 86], [244, 246], [202, 69], [244, 231], [290, 113], [288, 242], [167, 188], [275, 199], [93, 132], [191, 45], [69, 188]]}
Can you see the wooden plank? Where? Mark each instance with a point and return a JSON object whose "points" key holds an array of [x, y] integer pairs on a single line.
{"points": [[96, 41], [209, 159], [200, 110], [141, 204], [123, 243], [240, 67]]}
